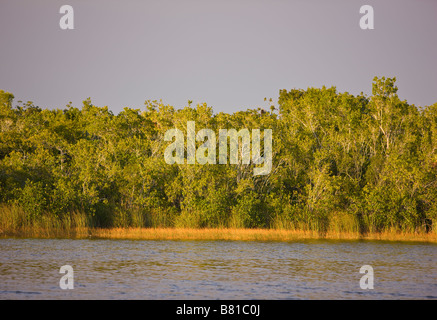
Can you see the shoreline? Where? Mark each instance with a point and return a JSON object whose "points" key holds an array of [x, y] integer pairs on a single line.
{"points": [[219, 234]]}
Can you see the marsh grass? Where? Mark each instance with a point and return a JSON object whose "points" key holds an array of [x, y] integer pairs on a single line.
{"points": [[15, 222], [250, 234]]}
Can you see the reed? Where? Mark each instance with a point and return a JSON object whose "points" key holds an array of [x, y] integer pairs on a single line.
{"points": [[238, 234], [48, 230], [15, 222]]}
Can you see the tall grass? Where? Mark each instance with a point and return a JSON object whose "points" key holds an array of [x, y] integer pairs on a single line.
{"points": [[140, 224], [232, 234], [15, 221]]}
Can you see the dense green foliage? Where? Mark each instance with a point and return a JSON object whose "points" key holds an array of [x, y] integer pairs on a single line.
{"points": [[339, 161]]}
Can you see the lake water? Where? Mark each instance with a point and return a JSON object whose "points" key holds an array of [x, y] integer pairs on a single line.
{"points": [[137, 269]]}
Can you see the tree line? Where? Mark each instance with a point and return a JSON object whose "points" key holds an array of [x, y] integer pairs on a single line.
{"points": [[339, 162]]}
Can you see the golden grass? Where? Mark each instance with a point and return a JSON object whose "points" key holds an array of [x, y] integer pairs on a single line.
{"points": [[14, 222], [232, 234], [248, 234]]}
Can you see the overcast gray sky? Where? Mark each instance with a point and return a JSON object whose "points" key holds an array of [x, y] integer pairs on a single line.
{"points": [[227, 53]]}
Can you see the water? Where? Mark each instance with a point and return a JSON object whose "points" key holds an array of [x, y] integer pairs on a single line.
{"points": [[129, 269]]}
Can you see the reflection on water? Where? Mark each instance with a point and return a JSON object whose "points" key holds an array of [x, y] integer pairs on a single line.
{"points": [[127, 269]]}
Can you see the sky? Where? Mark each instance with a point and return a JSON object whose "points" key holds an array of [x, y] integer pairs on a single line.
{"points": [[230, 54]]}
